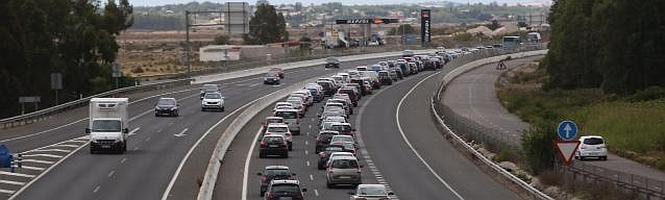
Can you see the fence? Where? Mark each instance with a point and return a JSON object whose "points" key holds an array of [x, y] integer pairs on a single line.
{"points": [[497, 141]]}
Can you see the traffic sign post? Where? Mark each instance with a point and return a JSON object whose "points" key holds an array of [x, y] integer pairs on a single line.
{"points": [[567, 130], [567, 143]]}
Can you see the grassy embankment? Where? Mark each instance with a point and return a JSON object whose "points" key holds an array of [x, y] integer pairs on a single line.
{"points": [[634, 126]]}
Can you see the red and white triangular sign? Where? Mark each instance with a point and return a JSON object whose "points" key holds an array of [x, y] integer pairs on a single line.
{"points": [[567, 150]]}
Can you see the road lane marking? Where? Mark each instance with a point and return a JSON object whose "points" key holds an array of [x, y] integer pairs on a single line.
{"points": [[123, 160], [247, 162], [182, 133], [133, 132], [8, 182], [308, 163], [37, 161], [311, 177], [111, 173], [148, 139], [316, 192], [306, 142], [191, 149], [16, 174], [254, 85], [136, 148], [56, 150], [32, 168], [408, 143], [41, 132], [7, 191], [96, 189], [306, 152], [67, 145], [41, 155]]}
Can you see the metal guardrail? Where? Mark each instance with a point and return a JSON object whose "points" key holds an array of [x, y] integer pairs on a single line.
{"points": [[440, 112], [497, 141], [42, 114]]}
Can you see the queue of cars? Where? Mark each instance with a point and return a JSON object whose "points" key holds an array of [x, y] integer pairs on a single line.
{"points": [[335, 144]]}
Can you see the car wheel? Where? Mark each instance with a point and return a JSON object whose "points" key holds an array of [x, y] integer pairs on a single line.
{"points": [[203, 109], [286, 155], [329, 185], [262, 155], [222, 108], [92, 151], [290, 147], [604, 158], [582, 158]]}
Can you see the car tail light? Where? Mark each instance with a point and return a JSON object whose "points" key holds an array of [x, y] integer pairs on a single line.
{"points": [[264, 179], [270, 196], [264, 144], [582, 147]]}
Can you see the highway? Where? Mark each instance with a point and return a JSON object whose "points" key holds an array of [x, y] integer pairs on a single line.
{"points": [[403, 151], [156, 148]]}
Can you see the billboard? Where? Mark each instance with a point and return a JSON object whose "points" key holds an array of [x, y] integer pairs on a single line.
{"points": [[219, 53], [236, 17], [425, 27]]}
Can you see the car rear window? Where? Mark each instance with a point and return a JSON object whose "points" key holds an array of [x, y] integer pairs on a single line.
{"points": [[344, 164], [287, 114], [273, 140], [285, 188], [277, 129], [278, 172], [341, 128], [593, 141]]}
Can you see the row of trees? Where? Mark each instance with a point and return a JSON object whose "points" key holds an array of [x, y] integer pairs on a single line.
{"points": [[75, 38], [617, 45]]}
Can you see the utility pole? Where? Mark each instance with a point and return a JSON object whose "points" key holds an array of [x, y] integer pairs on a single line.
{"points": [[187, 45]]}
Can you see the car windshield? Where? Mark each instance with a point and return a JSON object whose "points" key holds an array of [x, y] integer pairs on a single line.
{"points": [[210, 88], [371, 191], [273, 140], [341, 128], [278, 172], [342, 139], [593, 141], [334, 149], [271, 74], [344, 164], [166, 102], [287, 114], [213, 96], [285, 188], [277, 129], [106, 126]]}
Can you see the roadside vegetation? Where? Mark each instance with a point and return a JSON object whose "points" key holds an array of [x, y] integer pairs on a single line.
{"points": [[633, 125]]}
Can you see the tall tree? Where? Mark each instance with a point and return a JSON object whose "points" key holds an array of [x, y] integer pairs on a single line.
{"points": [[267, 26]]}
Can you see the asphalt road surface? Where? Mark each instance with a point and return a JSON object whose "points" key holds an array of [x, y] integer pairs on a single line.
{"points": [[156, 148], [425, 167]]}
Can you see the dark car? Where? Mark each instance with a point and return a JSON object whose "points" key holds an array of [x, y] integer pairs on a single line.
{"points": [[332, 63], [384, 78], [273, 145], [166, 106], [323, 140], [364, 89], [325, 154], [328, 88], [316, 95], [285, 189], [358, 87], [271, 78], [355, 97], [274, 172]]}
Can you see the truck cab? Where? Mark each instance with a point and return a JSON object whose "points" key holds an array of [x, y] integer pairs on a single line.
{"points": [[108, 125]]}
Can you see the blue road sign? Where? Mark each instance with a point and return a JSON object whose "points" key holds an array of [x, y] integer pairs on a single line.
{"points": [[567, 130]]}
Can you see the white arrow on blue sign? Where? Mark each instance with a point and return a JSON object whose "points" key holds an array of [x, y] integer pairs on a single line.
{"points": [[567, 130]]}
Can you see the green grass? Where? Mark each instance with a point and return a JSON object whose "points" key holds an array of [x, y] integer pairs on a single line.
{"points": [[633, 129]]}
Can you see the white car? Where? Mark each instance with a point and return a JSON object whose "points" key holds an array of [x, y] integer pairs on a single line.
{"points": [[592, 146], [338, 154], [280, 129], [212, 101], [282, 104], [371, 192]]}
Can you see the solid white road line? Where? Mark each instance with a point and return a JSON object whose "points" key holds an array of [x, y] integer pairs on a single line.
{"points": [[316, 192], [53, 150], [16, 174], [41, 132], [406, 140], [7, 191], [37, 161], [32, 168], [247, 161], [66, 145], [41, 155], [8, 182], [165, 195]]}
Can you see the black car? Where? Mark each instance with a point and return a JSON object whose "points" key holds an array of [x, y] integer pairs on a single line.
{"points": [[274, 172], [332, 63], [285, 189], [384, 78], [323, 140], [325, 154], [166, 107], [271, 78], [273, 145]]}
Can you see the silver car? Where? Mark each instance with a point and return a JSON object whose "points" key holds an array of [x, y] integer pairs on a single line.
{"points": [[343, 170], [371, 192]]}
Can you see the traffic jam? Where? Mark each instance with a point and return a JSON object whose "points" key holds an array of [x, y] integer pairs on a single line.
{"points": [[333, 142]]}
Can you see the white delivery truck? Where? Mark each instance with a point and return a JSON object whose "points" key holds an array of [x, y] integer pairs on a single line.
{"points": [[109, 125]]}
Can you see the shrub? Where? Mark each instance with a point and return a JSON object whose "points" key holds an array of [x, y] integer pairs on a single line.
{"points": [[538, 148]]}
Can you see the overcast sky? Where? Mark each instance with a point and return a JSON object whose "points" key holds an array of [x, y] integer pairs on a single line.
{"points": [[348, 2]]}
